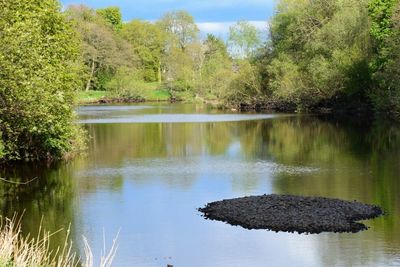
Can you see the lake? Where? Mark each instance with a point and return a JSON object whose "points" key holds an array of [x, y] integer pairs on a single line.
{"points": [[149, 167]]}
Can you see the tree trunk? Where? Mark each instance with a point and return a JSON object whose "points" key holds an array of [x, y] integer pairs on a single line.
{"points": [[88, 84], [159, 73]]}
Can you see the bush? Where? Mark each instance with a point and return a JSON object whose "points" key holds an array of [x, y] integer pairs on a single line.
{"points": [[125, 84], [245, 86], [39, 74]]}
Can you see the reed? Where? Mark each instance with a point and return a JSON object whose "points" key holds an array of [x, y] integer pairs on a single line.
{"points": [[17, 250]]}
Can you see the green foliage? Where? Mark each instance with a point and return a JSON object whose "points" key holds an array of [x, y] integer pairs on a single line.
{"points": [[103, 49], [2, 153], [125, 84], [112, 15], [181, 28], [148, 41], [39, 72], [381, 12], [168, 52], [215, 46], [217, 71], [91, 96], [244, 39], [245, 86], [385, 31], [326, 51], [319, 50], [179, 68]]}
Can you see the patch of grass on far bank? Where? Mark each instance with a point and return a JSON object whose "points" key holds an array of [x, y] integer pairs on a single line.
{"points": [[91, 96], [155, 92]]}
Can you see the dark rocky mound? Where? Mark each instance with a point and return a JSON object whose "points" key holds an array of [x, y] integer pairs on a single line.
{"points": [[292, 213]]}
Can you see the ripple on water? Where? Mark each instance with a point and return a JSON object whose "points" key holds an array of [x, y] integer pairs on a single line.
{"points": [[177, 118], [193, 167], [102, 110]]}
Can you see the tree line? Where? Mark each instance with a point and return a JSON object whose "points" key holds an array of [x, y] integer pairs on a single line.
{"points": [[319, 55], [119, 57], [342, 54]]}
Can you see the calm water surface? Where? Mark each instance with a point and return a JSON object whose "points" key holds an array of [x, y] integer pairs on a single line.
{"points": [[149, 167]]}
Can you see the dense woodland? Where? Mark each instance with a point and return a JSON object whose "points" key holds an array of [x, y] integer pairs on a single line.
{"points": [[320, 55]]}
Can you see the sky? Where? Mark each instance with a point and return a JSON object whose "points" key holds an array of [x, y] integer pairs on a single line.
{"points": [[212, 16]]}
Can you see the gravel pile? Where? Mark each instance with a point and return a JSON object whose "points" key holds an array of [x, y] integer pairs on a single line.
{"points": [[292, 213]]}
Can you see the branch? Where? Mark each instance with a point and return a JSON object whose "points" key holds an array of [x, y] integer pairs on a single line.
{"points": [[18, 183]]}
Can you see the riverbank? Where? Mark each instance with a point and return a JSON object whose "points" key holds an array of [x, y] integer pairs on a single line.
{"points": [[336, 107], [99, 97]]}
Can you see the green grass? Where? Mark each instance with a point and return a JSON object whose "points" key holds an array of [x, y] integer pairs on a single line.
{"points": [[156, 95], [91, 96]]}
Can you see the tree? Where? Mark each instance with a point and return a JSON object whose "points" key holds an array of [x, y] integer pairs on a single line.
{"points": [[381, 13], [181, 27], [39, 70], [319, 52], [244, 39], [102, 48], [147, 41], [112, 15], [385, 31], [215, 46], [217, 72]]}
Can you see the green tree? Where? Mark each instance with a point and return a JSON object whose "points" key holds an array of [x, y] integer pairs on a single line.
{"points": [[39, 70], [181, 51], [217, 71], [147, 41], [381, 13], [112, 15], [102, 48], [215, 46], [385, 31], [244, 39], [319, 51], [181, 27], [125, 84]]}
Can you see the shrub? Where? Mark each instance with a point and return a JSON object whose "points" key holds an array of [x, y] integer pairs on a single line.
{"points": [[125, 84]]}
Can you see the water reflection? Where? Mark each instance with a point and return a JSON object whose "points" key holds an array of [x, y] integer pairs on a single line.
{"points": [[148, 179], [46, 200]]}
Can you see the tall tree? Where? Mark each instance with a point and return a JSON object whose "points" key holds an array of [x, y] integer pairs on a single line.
{"points": [[385, 31], [320, 51], [181, 26], [39, 70], [147, 41], [103, 49], [381, 13], [244, 39]]}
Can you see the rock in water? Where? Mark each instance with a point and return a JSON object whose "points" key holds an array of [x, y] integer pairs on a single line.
{"points": [[292, 213]]}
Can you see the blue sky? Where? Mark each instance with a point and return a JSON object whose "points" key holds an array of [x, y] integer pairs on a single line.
{"points": [[213, 16]]}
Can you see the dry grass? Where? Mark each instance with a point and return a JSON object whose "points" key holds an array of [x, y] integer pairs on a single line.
{"points": [[19, 251]]}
